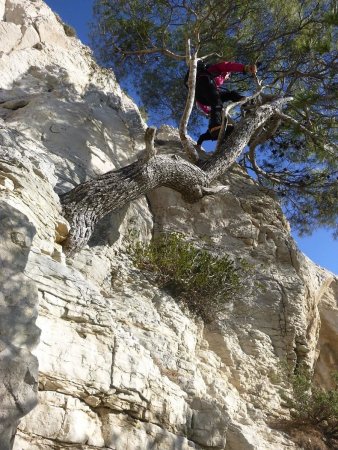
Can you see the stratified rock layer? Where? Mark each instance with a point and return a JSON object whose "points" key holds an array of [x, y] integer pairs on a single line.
{"points": [[121, 365]]}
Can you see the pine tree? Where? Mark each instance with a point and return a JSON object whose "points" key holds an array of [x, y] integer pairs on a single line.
{"points": [[288, 140], [145, 43]]}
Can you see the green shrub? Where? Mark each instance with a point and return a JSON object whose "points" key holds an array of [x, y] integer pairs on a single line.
{"points": [[314, 412], [202, 281], [144, 113], [69, 30]]}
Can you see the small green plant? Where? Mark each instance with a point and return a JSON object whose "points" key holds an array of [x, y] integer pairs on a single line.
{"points": [[314, 413], [144, 113], [204, 282], [69, 30]]}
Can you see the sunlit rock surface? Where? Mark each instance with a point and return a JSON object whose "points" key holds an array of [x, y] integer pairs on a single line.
{"points": [[92, 354]]}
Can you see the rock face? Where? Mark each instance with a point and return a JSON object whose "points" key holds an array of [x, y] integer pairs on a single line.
{"points": [[121, 365]]}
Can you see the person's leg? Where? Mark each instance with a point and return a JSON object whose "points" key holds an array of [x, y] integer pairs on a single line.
{"points": [[214, 131], [208, 94]]}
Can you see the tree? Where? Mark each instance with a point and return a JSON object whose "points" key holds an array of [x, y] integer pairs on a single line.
{"points": [[290, 150]]}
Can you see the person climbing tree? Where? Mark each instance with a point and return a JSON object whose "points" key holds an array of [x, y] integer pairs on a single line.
{"points": [[291, 131], [208, 95]]}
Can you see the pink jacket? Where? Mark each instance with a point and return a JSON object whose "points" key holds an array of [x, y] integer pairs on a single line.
{"points": [[223, 71]]}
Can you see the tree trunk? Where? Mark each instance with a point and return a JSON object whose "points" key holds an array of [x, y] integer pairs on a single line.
{"points": [[90, 201]]}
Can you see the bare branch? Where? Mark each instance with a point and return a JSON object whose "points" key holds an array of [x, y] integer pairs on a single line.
{"points": [[183, 127], [188, 52], [215, 190], [233, 146], [209, 55], [150, 150], [225, 120], [226, 112], [149, 51], [295, 122], [258, 170]]}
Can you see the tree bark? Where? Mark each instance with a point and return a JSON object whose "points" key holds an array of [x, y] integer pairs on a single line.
{"points": [[90, 201]]}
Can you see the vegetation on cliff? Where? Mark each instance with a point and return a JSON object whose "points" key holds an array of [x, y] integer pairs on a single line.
{"points": [[313, 422], [202, 281]]}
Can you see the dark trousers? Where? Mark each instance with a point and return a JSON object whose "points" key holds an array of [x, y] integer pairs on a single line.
{"points": [[208, 94]]}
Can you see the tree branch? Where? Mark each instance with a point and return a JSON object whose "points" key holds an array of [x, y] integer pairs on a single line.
{"points": [[240, 137], [228, 108], [90, 201], [295, 122], [258, 170], [150, 150], [149, 51], [189, 104], [266, 131]]}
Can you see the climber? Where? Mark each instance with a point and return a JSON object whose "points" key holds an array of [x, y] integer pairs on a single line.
{"points": [[229, 127], [208, 95]]}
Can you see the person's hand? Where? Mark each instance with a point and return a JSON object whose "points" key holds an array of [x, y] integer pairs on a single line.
{"points": [[250, 68]]}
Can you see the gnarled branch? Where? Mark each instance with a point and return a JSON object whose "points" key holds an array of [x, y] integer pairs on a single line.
{"points": [[90, 201]]}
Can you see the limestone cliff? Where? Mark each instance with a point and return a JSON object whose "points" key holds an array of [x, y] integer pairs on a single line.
{"points": [[92, 354]]}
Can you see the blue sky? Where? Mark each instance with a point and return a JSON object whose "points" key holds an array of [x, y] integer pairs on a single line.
{"points": [[320, 247]]}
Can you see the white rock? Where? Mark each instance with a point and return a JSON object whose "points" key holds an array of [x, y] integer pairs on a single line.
{"points": [[21, 12], [122, 365], [51, 31], [141, 437], [65, 419], [10, 34], [86, 358], [30, 37], [2, 9]]}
